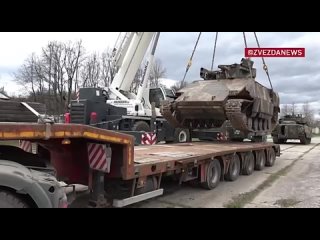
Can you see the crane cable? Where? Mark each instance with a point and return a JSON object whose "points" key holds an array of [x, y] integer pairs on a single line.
{"points": [[190, 60], [265, 67], [214, 50]]}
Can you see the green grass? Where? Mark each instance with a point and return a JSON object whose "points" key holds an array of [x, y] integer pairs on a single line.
{"points": [[285, 203]]}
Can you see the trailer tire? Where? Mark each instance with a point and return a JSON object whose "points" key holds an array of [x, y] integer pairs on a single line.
{"points": [[260, 160], [234, 169], [248, 164], [11, 200], [213, 175], [150, 185], [141, 126], [181, 135], [271, 158]]}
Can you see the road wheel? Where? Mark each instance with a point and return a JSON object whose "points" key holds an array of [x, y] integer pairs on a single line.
{"points": [[305, 140], [271, 158], [11, 200], [234, 169], [141, 126], [248, 164], [260, 160], [308, 140], [181, 135], [213, 174]]}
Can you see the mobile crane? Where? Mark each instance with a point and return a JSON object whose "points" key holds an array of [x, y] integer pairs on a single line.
{"points": [[130, 112]]}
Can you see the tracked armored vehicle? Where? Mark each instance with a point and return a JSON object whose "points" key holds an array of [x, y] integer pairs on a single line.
{"points": [[231, 93], [292, 127]]}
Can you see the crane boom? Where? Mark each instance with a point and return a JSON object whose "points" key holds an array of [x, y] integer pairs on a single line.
{"points": [[131, 62], [145, 81], [122, 49]]}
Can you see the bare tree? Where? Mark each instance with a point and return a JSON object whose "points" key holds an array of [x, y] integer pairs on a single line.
{"points": [[3, 91], [179, 85], [26, 75], [54, 76], [73, 54], [136, 81], [308, 113], [108, 70], [285, 110], [157, 72], [293, 108], [90, 72]]}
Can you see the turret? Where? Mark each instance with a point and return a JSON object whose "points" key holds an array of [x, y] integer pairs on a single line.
{"points": [[234, 71]]}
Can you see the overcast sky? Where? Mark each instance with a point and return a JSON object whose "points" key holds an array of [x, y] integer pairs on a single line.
{"points": [[296, 79]]}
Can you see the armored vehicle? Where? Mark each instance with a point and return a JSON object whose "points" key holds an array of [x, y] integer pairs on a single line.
{"points": [[231, 93], [292, 127]]}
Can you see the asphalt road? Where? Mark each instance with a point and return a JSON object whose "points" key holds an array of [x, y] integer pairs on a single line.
{"points": [[294, 181]]}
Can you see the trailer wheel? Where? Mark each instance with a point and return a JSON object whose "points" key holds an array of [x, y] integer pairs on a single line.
{"points": [[234, 169], [141, 126], [260, 160], [213, 174], [150, 185], [271, 158], [181, 135], [248, 164], [11, 200]]}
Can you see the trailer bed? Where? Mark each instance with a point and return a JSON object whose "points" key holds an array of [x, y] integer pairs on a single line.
{"points": [[154, 154]]}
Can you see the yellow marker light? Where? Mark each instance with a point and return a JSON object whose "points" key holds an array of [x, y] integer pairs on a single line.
{"points": [[66, 141]]}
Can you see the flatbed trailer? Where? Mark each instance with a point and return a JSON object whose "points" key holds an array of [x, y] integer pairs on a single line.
{"points": [[119, 174]]}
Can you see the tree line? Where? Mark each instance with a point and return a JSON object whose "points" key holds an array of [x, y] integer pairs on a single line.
{"points": [[54, 76], [305, 110]]}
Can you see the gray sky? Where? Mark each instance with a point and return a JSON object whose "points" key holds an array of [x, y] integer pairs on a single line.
{"points": [[296, 79]]}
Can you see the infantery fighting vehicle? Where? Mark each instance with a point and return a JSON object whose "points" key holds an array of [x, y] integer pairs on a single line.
{"points": [[231, 93], [292, 127]]}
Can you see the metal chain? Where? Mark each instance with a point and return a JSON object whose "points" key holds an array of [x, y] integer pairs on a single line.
{"points": [[190, 60], [214, 51], [265, 67]]}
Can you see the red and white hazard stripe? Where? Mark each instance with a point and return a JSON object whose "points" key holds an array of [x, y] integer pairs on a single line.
{"points": [[222, 137], [78, 96], [149, 139], [26, 146], [99, 157]]}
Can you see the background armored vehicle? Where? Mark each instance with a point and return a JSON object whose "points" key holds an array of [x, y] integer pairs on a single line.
{"points": [[230, 93], [292, 127]]}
